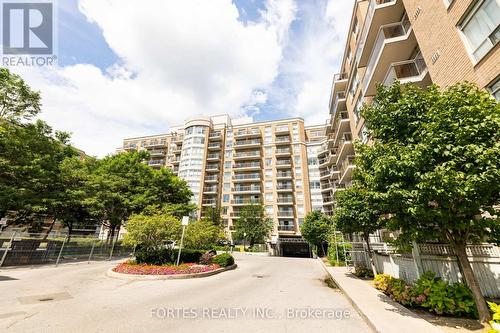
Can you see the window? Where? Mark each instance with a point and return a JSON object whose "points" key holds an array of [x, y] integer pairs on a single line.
{"points": [[227, 165], [269, 209], [298, 171], [495, 89], [227, 186], [354, 82], [269, 161], [300, 196], [481, 28], [228, 154], [227, 175], [269, 196], [315, 185], [269, 173], [269, 185], [357, 109], [225, 198], [300, 209], [269, 151], [298, 184]]}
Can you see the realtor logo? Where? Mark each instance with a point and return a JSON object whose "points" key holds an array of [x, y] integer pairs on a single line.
{"points": [[28, 28]]}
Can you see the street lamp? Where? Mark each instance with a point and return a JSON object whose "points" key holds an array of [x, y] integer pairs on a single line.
{"points": [[244, 238]]}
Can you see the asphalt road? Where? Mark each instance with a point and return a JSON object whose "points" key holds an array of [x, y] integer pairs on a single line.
{"points": [[264, 294]]}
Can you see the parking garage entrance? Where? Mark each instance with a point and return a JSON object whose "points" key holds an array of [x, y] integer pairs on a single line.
{"points": [[290, 246]]}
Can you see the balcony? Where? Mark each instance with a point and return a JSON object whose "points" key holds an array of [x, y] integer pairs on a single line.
{"points": [[215, 136], [247, 133], [339, 125], [247, 143], [409, 71], [327, 200], [339, 84], [325, 174], [211, 178], [247, 155], [175, 160], [247, 189], [247, 166], [177, 138], [282, 130], [283, 163], [283, 175], [395, 42], [241, 201], [346, 169], [285, 213], [285, 200], [284, 187], [283, 152], [380, 12], [213, 156], [338, 103], [155, 153], [212, 167], [247, 177], [152, 144], [210, 190], [209, 202], [286, 227], [156, 163], [281, 140], [214, 146]]}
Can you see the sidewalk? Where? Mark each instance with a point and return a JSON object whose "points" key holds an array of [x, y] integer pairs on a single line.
{"points": [[379, 311]]}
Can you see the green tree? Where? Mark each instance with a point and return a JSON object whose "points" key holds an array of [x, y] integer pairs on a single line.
{"points": [[123, 184], [202, 235], [358, 212], [17, 100], [316, 230], [151, 232], [253, 225], [435, 165]]}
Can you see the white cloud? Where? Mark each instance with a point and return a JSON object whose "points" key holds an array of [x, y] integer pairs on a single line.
{"points": [[313, 57], [177, 59]]}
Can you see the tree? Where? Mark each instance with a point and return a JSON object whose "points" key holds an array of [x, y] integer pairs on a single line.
{"points": [[316, 230], [358, 212], [202, 235], [151, 232], [17, 100], [435, 164], [253, 225], [123, 184]]}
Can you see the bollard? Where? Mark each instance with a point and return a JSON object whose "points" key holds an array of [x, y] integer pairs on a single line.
{"points": [[60, 251], [9, 246]]}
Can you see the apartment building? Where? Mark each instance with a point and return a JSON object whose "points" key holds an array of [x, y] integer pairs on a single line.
{"points": [[413, 41], [228, 164]]}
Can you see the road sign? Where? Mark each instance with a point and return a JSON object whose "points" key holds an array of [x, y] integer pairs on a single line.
{"points": [[185, 220]]}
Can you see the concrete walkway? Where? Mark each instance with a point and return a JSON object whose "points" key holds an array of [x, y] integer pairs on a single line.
{"points": [[379, 311]]}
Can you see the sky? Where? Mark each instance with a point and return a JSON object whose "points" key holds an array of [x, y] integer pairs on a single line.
{"points": [[130, 68]]}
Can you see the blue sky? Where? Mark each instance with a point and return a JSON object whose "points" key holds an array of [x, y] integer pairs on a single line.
{"points": [[127, 70]]}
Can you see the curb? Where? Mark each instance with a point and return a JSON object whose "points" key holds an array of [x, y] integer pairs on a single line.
{"points": [[367, 320], [137, 277]]}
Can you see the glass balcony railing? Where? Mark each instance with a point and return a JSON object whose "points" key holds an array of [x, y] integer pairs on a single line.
{"points": [[211, 178], [246, 188], [405, 70], [285, 200], [283, 162], [213, 156], [246, 165], [210, 189], [247, 176], [385, 33], [245, 132], [247, 142], [285, 213], [283, 174], [285, 227], [339, 77], [284, 187], [248, 154], [282, 139]]}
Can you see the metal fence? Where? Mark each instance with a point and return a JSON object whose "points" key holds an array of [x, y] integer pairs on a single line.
{"points": [[437, 258], [22, 248]]}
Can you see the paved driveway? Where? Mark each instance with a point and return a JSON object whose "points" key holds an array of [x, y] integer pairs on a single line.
{"points": [[264, 294]]}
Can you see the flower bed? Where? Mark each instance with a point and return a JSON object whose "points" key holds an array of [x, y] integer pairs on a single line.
{"points": [[144, 269]]}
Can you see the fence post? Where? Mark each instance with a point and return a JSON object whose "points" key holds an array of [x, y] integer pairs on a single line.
{"points": [[7, 249], [417, 259], [113, 246], [60, 251], [91, 251]]}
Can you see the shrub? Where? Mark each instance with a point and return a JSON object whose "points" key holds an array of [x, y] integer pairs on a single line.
{"points": [[363, 272], [153, 256], [223, 260], [343, 254], [431, 293], [495, 322], [188, 255]]}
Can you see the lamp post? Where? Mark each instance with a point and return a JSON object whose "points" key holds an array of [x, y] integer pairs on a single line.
{"points": [[244, 239]]}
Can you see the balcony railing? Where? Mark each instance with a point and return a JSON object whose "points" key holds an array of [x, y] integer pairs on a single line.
{"points": [[212, 167], [327, 199], [246, 188], [283, 174], [214, 145], [248, 154], [285, 213], [284, 227], [386, 32], [284, 187], [340, 77], [247, 142], [214, 135], [349, 161], [281, 139], [255, 176], [245, 201], [213, 156], [285, 200], [247, 165], [211, 178], [341, 95], [283, 162], [209, 202], [282, 129], [210, 189], [404, 70], [283, 151], [246, 132]]}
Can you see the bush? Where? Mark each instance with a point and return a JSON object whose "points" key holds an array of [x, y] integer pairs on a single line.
{"points": [[167, 256], [431, 293], [223, 260], [207, 258], [343, 254], [363, 272], [495, 322]]}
